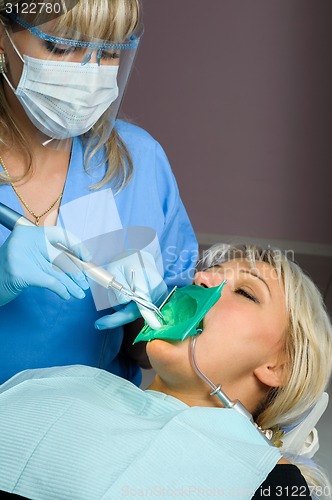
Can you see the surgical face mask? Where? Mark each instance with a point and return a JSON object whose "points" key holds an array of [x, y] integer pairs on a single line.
{"points": [[64, 99]]}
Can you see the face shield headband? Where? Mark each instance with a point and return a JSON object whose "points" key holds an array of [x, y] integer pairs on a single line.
{"points": [[94, 45]]}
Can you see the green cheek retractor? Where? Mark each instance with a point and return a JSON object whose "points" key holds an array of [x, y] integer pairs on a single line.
{"points": [[183, 311]]}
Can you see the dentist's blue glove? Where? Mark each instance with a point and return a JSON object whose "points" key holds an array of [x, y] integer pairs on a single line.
{"points": [[138, 270], [27, 258]]}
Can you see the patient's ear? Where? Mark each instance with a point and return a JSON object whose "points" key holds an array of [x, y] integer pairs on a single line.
{"points": [[272, 375]]}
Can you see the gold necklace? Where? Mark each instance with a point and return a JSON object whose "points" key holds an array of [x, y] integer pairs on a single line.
{"points": [[37, 217]]}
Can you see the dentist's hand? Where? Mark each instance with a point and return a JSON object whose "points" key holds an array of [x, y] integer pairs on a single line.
{"points": [[148, 283], [27, 258]]}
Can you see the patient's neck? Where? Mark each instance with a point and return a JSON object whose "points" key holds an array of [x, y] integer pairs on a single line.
{"points": [[191, 396]]}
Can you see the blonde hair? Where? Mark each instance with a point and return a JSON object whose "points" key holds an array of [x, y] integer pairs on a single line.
{"points": [[308, 342], [115, 20]]}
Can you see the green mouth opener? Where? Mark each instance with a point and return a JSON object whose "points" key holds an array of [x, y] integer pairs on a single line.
{"points": [[183, 311]]}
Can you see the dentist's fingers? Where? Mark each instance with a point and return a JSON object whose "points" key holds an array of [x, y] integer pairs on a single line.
{"points": [[48, 276], [56, 235], [126, 315]]}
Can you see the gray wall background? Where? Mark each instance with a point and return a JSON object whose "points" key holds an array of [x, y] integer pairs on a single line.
{"points": [[238, 93]]}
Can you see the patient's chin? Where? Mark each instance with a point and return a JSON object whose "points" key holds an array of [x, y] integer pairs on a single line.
{"points": [[168, 351]]}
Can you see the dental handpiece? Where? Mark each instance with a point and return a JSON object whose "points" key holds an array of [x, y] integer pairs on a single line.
{"points": [[10, 218]]}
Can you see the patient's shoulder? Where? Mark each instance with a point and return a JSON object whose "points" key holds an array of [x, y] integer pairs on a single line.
{"points": [[283, 481]]}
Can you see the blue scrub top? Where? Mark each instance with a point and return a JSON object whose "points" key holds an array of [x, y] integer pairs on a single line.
{"points": [[38, 329]]}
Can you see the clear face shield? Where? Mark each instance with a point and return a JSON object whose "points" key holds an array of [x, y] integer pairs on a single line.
{"points": [[68, 82]]}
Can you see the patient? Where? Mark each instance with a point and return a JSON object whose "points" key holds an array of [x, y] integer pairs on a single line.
{"points": [[82, 433]]}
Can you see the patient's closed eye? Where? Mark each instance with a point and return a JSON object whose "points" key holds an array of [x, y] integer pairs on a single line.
{"points": [[246, 294]]}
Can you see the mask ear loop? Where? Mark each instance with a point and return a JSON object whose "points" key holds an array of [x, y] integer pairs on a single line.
{"points": [[17, 52], [226, 401], [13, 44]]}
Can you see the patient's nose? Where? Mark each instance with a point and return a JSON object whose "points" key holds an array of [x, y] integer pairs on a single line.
{"points": [[208, 278]]}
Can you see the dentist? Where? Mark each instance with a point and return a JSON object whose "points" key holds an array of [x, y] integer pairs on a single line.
{"points": [[98, 185]]}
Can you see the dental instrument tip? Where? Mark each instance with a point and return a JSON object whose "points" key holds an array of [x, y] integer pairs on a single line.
{"points": [[143, 302]]}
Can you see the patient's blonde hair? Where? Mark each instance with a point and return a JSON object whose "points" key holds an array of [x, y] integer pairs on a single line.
{"points": [[115, 20], [308, 342]]}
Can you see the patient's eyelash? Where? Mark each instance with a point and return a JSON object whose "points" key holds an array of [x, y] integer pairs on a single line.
{"points": [[240, 291]]}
